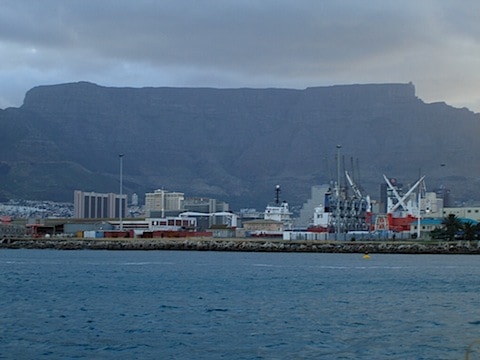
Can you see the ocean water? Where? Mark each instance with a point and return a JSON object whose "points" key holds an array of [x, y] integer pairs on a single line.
{"points": [[219, 305]]}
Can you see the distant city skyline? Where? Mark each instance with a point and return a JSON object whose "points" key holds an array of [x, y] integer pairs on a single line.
{"points": [[230, 44]]}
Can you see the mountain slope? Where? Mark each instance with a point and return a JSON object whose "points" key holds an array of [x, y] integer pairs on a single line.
{"points": [[232, 144]]}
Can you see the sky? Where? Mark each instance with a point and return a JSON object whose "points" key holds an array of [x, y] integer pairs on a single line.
{"points": [[435, 44]]}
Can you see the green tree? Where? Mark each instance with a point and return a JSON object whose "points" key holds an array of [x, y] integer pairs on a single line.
{"points": [[438, 234], [469, 230], [452, 225]]}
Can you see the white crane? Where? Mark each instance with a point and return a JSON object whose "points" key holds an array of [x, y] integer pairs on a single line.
{"points": [[401, 199]]}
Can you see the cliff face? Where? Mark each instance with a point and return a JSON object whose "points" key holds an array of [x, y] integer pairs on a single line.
{"points": [[232, 144]]}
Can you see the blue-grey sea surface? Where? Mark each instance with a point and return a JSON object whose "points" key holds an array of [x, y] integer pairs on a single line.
{"points": [[233, 305]]}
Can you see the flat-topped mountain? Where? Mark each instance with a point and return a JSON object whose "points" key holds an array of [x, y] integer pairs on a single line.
{"points": [[232, 144]]}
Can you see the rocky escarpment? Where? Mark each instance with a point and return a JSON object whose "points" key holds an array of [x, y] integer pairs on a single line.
{"points": [[232, 144], [266, 245]]}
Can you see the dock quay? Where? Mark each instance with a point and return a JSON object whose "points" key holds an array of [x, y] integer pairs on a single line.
{"points": [[242, 244]]}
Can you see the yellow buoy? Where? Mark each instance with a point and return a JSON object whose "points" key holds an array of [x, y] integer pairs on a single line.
{"points": [[366, 256]]}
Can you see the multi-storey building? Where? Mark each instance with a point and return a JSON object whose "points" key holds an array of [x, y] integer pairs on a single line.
{"points": [[91, 205], [160, 202]]}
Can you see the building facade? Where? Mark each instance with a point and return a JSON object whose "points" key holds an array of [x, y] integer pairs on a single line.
{"points": [[205, 205], [91, 205], [263, 225], [463, 212], [161, 201]]}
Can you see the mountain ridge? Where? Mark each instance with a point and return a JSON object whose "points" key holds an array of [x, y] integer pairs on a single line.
{"points": [[231, 144]]}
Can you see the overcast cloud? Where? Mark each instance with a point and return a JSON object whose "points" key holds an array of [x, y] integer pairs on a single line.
{"points": [[251, 43]]}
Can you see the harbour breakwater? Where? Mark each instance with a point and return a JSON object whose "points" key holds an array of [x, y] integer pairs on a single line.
{"points": [[236, 244]]}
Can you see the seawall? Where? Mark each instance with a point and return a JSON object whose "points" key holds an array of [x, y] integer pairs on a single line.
{"points": [[257, 245]]}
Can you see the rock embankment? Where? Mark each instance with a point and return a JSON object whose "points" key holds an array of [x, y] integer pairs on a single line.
{"points": [[257, 245]]}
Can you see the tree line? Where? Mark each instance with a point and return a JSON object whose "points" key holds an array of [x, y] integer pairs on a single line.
{"points": [[454, 228]]}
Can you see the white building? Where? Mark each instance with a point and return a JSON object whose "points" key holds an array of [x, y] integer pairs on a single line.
{"points": [[431, 205], [161, 201], [463, 212], [317, 199], [134, 199]]}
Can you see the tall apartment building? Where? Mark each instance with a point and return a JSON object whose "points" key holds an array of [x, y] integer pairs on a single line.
{"points": [[161, 201], [91, 205]]}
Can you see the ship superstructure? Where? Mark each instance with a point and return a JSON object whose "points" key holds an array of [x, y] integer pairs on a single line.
{"points": [[279, 211], [403, 208]]}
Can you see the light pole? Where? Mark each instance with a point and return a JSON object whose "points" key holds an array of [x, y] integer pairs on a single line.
{"points": [[120, 202], [419, 219], [338, 188], [443, 186]]}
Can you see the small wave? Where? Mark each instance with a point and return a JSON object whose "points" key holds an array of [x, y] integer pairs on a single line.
{"points": [[216, 310], [125, 348], [137, 263], [269, 265], [168, 307], [143, 263]]}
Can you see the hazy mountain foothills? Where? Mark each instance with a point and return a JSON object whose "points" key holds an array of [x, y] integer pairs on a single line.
{"points": [[232, 144]]}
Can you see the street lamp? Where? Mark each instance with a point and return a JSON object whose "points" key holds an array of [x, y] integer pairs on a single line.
{"points": [[120, 202], [419, 219], [443, 186], [338, 188]]}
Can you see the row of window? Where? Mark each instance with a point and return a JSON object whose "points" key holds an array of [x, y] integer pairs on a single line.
{"points": [[174, 222]]}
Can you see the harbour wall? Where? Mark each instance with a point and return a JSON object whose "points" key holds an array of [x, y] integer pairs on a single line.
{"points": [[257, 245]]}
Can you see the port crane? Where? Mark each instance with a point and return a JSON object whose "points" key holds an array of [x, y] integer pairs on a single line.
{"points": [[400, 200]]}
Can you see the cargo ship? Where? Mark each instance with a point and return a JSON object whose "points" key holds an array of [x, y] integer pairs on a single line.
{"points": [[345, 209], [403, 208]]}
